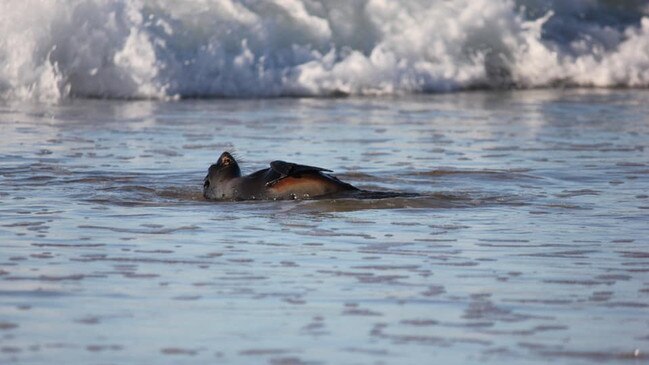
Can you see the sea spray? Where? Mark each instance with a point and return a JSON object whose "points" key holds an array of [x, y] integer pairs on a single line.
{"points": [[155, 49]]}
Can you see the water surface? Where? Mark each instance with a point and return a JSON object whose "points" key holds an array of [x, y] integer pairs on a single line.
{"points": [[527, 242]]}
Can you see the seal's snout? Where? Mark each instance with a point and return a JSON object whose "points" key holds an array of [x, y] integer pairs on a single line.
{"points": [[225, 159]]}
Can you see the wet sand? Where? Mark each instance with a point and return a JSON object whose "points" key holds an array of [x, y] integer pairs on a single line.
{"points": [[527, 243]]}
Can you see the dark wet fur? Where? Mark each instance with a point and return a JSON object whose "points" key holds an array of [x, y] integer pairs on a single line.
{"points": [[282, 180]]}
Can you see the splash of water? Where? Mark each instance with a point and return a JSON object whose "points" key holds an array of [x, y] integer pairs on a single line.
{"points": [[156, 49]]}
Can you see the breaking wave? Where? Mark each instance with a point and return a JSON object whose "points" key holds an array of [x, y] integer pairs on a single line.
{"points": [[51, 50]]}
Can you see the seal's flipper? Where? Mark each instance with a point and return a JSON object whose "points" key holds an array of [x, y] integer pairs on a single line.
{"points": [[286, 169], [292, 169]]}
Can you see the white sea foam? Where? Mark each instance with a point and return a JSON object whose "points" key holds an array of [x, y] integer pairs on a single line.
{"points": [[158, 49]]}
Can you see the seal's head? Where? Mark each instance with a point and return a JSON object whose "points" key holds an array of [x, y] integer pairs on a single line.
{"points": [[218, 175]]}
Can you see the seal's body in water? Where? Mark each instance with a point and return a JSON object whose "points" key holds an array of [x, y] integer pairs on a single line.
{"points": [[282, 180]]}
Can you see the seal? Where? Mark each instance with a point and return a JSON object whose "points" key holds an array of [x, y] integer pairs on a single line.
{"points": [[282, 180]]}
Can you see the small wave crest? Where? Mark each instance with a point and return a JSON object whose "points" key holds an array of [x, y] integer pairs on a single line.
{"points": [[154, 49]]}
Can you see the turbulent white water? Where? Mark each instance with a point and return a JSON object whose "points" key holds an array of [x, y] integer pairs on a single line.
{"points": [[56, 49]]}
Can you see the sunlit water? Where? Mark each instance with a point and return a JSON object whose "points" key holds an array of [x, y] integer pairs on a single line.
{"points": [[527, 242]]}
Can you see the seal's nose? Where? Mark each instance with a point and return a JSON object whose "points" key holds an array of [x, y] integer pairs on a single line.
{"points": [[226, 159]]}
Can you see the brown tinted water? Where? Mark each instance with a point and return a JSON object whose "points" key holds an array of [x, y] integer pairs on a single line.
{"points": [[526, 242]]}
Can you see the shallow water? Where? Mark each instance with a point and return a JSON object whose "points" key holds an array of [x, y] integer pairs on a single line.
{"points": [[527, 243]]}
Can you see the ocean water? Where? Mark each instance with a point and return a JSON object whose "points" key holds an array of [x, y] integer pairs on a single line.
{"points": [[163, 49], [527, 243], [518, 131]]}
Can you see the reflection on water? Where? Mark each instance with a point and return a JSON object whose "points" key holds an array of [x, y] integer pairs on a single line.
{"points": [[518, 232]]}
